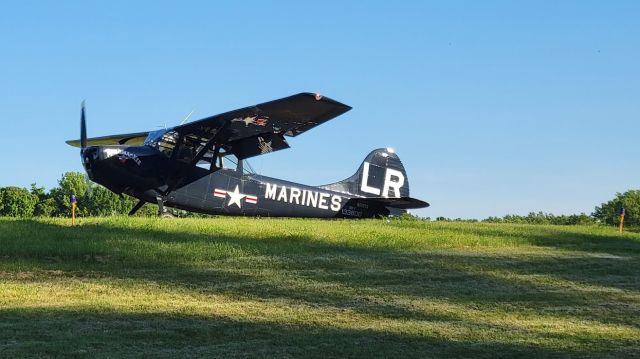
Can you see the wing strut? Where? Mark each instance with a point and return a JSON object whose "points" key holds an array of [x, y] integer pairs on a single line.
{"points": [[175, 179], [204, 150], [214, 159]]}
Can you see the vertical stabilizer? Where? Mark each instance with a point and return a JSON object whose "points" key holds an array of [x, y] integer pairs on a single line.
{"points": [[381, 174]]}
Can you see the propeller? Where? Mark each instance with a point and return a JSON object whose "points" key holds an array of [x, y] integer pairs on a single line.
{"points": [[83, 145], [83, 129]]}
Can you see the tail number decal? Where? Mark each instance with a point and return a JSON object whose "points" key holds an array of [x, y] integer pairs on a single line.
{"points": [[393, 179]]}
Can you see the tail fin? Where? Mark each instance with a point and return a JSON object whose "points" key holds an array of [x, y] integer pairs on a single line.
{"points": [[381, 174]]}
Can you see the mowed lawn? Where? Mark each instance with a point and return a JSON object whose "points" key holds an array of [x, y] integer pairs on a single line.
{"points": [[238, 287]]}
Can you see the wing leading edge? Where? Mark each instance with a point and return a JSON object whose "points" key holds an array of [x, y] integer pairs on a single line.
{"points": [[134, 139]]}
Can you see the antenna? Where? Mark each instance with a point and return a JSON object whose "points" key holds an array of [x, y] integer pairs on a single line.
{"points": [[186, 118]]}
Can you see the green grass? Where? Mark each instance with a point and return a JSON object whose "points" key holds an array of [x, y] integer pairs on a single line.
{"points": [[237, 287]]}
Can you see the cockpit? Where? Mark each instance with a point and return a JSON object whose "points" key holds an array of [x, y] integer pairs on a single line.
{"points": [[162, 140], [166, 142]]}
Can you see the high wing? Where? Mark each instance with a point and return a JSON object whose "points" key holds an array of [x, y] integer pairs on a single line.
{"points": [[245, 132], [134, 139], [260, 129]]}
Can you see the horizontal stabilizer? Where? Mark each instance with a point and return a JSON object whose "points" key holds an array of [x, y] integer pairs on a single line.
{"points": [[401, 203]]}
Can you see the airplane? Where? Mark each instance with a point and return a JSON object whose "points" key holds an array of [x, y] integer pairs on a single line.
{"points": [[184, 166]]}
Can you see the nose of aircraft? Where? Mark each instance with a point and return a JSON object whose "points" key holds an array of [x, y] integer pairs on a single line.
{"points": [[90, 156]]}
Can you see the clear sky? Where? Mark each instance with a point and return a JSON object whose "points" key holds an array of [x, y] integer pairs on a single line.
{"points": [[495, 107]]}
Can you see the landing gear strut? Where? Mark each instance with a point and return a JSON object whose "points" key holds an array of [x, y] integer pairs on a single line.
{"points": [[162, 211], [137, 207]]}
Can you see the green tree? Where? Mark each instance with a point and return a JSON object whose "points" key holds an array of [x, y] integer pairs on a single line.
{"points": [[17, 202], [46, 205], [609, 212], [45, 208], [102, 202], [70, 183]]}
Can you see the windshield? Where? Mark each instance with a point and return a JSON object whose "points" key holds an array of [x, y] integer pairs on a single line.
{"points": [[162, 140]]}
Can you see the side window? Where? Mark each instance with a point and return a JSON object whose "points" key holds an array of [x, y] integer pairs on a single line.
{"points": [[184, 154], [230, 162]]}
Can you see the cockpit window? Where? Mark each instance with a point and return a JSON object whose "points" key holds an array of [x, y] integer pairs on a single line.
{"points": [[163, 140], [231, 161]]}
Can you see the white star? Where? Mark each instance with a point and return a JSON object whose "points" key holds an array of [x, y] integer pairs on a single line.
{"points": [[248, 120], [235, 197]]}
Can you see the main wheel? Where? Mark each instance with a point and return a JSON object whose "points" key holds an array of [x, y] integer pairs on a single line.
{"points": [[167, 215]]}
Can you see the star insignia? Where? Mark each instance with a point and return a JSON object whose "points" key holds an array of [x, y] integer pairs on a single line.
{"points": [[235, 196]]}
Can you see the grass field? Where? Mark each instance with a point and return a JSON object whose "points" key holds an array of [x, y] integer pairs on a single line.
{"points": [[237, 287]]}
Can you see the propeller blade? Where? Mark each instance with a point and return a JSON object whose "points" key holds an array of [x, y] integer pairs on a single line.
{"points": [[83, 129]]}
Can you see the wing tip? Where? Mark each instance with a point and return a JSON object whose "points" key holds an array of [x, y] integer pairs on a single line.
{"points": [[74, 143], [319, 97]]}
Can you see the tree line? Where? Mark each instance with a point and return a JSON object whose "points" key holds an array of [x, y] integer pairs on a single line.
{"points": [[93, 200], [607, 213], [96, 200], [533, 218]]}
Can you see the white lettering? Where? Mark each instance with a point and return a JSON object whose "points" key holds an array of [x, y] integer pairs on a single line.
{"points": [[322, 203], [270, 191], [392, 184], [295, 193], [364, 186], [283, 194], [305, 197], [110, 152], [335, 203], [312, 199]]}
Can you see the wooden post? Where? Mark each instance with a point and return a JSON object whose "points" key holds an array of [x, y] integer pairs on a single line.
{"points": [[621, 228]]}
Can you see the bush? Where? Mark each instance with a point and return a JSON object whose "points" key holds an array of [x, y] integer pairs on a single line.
{"points": [[17, 202], [543, 218], [609, 212], [45, 208]]}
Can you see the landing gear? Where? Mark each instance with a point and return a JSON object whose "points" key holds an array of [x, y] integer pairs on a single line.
{"points": [[136, 207], [162, 212]]}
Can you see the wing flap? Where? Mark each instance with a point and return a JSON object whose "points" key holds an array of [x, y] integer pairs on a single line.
{"points": [[257, 145]]}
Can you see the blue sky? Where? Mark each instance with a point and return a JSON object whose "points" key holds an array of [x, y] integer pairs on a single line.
{"points": [[495, 107]]}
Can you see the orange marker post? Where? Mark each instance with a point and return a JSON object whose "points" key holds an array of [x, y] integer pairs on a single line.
{"points": [[73, 201], [621, 229]]}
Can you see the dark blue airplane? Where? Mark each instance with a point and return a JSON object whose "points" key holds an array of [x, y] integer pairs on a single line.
{"points": [[184, 166]]}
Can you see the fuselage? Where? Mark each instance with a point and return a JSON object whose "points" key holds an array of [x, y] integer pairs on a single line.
{"points": [[230, 192], [140, 171]]}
